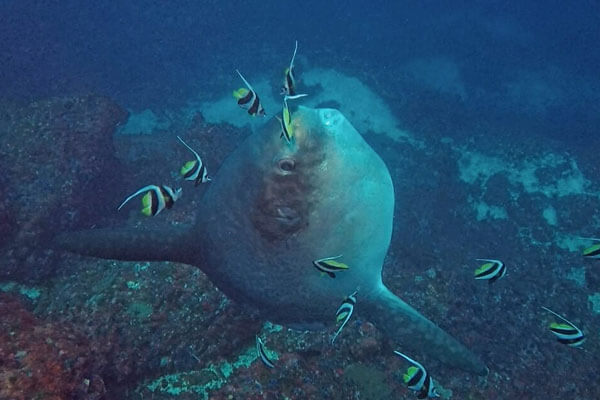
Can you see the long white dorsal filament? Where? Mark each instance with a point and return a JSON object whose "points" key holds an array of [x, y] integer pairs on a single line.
{"points": [[145, 188]]}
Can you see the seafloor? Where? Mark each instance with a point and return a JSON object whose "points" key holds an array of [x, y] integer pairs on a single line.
{"points": [[466, 188]]}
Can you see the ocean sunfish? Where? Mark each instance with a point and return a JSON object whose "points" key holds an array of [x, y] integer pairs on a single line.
{"points": [[274, 208]]}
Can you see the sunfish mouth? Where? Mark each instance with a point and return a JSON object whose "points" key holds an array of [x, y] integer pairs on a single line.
{"points": [[286, 165]]}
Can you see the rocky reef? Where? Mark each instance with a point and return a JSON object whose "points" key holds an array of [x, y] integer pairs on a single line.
{"points": [[41, 359], [56, 155], [97, 329]]}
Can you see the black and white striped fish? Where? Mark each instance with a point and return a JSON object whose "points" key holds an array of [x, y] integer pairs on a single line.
{"points": [[248, 99], [492, 270], [260, 351], [156, 199], [344, 312], [418, 379], [594, 250], [194, 170], [329, 265], [287, 129], [566, 333], [289, 80]]}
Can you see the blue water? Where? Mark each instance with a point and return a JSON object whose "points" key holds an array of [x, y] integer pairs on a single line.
{"points": [[148, 54], [516, 80]]}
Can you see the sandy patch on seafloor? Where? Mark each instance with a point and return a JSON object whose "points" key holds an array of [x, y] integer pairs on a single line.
{"points": [[143, 123], [478, 168], [364, 108], [437, 73], [551, 175]]}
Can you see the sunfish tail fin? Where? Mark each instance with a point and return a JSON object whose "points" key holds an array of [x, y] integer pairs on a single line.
{"points": [[417, 334], [127, 244]]}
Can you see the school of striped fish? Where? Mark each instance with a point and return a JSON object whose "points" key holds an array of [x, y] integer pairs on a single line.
{"points": [[159, 197]]}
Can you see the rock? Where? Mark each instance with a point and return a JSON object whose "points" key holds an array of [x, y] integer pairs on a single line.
{"points": [[56, 155]]}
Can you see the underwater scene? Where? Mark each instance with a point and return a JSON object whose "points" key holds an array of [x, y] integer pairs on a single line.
{"points": [[299, 200]]}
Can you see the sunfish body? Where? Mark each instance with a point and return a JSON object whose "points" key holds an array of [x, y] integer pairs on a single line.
{"points": [[275, 207]]}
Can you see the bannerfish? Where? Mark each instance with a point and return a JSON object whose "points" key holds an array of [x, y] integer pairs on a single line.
{"points": [[248, 99], [289, 80], [262, 354], [156, 199], [273, 208], [418, 379], [566, 333], [287, 129], [492, 270], [329, 265], [344, 312], [194, 170], [593, 251]]}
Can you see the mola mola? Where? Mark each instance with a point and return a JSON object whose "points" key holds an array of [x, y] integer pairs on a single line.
{"points": [[275, 207]]}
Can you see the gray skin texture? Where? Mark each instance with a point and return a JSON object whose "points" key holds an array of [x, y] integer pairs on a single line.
{"points": [[275, 207]]}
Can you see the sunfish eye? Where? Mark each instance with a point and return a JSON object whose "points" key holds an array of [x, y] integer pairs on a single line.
{"points": [[287, 164]]}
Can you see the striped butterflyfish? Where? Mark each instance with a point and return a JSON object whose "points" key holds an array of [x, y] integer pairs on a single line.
{"points": [[418, 379], [248, 99], [593, 251], [262, 354], [329, 265], [344, 312], [289, 80], [566, 332], [492, 270], [156, 199], [194, 170], [287, 129]]}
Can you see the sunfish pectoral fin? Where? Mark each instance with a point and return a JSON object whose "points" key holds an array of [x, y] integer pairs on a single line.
{"points": [[415, 333], [127, 244]]}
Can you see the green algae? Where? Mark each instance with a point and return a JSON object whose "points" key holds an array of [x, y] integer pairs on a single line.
{"points": [[139, 267], [202, 381], [187, 382], [133, 285], [31, 293], [243, 360], [272, 328]]}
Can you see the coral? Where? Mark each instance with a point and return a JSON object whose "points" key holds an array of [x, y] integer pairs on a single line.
{"points": [[44, 360]]}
